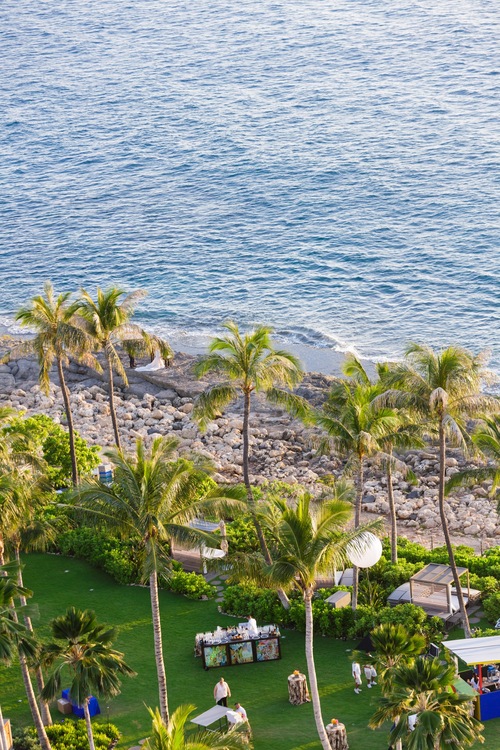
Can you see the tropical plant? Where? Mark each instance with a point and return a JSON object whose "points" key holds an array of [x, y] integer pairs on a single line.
{"points": [[151, 501], [486, 437], [58, 338], [23, 526], [308, 541], [444, 387], [175, 737], [16, 639], [148, 344], [423, 688], [248, 364], [392, 645], [82, 647], [107, 322], [356, 424]]}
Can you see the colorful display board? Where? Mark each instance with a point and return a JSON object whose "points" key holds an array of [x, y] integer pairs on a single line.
{"points": [[240, 652]]}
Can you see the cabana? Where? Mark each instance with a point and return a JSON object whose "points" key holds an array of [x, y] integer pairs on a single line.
{"points": [[476, 652], [431, 588]]}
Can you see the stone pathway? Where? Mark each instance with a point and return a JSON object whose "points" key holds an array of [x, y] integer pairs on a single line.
{"points": [[219, 581]]}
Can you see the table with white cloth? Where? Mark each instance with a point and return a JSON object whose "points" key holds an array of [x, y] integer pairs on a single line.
{"points": [[298, 692], [337, 736], [230, 646]]}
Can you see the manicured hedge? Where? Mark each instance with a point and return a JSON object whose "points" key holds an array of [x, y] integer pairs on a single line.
{"points": [[338, 623], [68, 735], [119, 558]]}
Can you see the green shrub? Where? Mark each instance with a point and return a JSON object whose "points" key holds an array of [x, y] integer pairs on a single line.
{"points": [[491, 607], [241, 535], [41, 431], [25, 739], [338, 623], [68, 735], [191, 585], [117, 557]]}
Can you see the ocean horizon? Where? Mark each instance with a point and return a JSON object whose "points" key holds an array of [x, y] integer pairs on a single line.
{"points": [[330, 171]]}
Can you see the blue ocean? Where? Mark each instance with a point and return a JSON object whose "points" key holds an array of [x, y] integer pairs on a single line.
{"points": [[329, 168]]}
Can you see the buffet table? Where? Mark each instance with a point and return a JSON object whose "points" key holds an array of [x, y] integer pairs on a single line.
{"points": [[227, 647]]}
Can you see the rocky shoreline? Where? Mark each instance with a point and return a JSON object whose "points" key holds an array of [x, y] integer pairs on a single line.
{"points": [[161, 402]]}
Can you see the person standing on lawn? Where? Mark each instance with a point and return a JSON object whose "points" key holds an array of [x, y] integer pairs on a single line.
{"points": [[221, 692], [356, 673], [370, 674]]}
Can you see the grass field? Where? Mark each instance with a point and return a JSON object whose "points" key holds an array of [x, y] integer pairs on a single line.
{"points": [[60, 582]]}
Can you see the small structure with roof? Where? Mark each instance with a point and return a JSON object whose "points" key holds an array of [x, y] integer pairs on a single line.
{"points": [[483, 654], [432, 588]]}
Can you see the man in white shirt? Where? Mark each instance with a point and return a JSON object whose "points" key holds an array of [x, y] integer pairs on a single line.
{"points": [[221, 692], [241, 711], [356, 673], [252, 626]]}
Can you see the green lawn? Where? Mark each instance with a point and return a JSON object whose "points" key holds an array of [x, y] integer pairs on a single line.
{"points": [[60, 582]]}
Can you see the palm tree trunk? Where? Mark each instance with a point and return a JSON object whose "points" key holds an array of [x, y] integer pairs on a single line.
{"points": [[3, 736], [88, 724], [37, 719], [160, 664], [250, 498], [311, 670], [444, 524], [357, 521], [392, 511], [2, 551], [112, 404], [69, 419], [44, 707]]}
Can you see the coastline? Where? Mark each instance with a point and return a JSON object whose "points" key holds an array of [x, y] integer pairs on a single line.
{"points": [[160, 403]]}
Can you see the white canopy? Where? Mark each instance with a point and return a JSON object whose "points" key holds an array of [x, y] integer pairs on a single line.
{"points": [[208, 717], [476, 650]]}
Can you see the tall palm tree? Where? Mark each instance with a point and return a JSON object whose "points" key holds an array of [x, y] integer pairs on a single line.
{"points": [[107, 322], [23, 526], [174, 737], [445, 388], [57, 338], [308, 541], [152, 499], [14, 636], [83, 647], [486, 437], [423, 688], [248, 364], [356, 425]]}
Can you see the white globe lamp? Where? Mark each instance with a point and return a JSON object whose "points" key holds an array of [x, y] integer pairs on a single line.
{"points": [[366, 551]]}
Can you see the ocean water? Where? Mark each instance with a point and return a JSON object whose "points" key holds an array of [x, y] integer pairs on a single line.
{"points": [[331, 169]]}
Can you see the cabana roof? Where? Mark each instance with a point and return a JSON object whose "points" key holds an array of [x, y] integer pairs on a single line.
{"points": [[437, 574], [474, 651]]}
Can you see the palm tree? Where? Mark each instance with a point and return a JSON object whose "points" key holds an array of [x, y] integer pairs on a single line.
{"points": [[308, 541], [406, 433], [248, 363], [444, 388], [173, 736], [83, 647], [152, 499], [107, 322], [23, 526], [392, 645], [58, 337], [486, 438], [423, 688], [356, 425], [14, 637]]}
